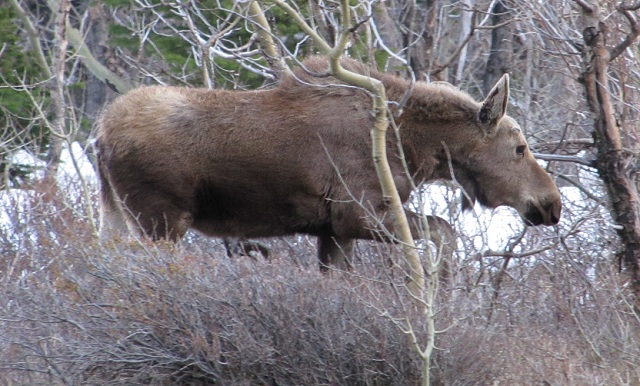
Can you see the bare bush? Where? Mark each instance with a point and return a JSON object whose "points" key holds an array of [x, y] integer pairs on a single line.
{"points": [[76, 312], [146, 314]]}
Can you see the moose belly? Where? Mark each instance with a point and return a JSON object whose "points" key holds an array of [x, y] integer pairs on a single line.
{"points": [[258, 208]]}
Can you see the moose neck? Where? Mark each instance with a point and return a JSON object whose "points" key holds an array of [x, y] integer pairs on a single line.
{"points": [[434, 127]]}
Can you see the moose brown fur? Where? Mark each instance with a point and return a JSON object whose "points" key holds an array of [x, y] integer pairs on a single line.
{"points": [[297, 159]]}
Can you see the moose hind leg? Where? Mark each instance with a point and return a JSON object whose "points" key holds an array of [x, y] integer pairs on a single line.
{"points": [[112, 217], [158, 218], [335, 252]]}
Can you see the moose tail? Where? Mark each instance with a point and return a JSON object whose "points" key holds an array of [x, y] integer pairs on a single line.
{"points": [[113, 222]]}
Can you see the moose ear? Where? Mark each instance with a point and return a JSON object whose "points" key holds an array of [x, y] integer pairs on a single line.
{"points": [[494, 106]]}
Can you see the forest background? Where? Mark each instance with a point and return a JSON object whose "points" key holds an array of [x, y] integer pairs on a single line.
{"points": [[516, 304]]}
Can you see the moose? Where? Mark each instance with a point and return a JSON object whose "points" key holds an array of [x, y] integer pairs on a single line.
{"points": [[296, 159]]}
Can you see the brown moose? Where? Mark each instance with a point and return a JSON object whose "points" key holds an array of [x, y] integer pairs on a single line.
{"points": [[297, 159]]}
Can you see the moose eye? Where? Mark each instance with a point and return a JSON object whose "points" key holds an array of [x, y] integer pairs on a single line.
{"points": [[520, 150]]}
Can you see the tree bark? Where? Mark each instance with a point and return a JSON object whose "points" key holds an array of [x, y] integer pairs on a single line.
{"points": [[465, 28], [58, 102], [96, 94], [418, 26], [390, 33], [500, 56], [617, 167]]}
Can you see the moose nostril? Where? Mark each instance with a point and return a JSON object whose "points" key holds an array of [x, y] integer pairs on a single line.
{"points": [[554, 212], [534, 216]]}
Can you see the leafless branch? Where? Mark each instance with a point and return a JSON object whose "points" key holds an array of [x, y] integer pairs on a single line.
{"points": [[630, 7], [586, 5], [518, 255], [630, 38], [566, 158], [582, 188]]}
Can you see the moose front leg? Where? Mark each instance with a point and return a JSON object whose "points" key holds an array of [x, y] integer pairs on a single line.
{"points": [[334, 252], [442, 235], [350, 221]]}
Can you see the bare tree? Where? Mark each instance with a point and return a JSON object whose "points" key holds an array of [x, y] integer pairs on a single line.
{"points": [[617, 142]]}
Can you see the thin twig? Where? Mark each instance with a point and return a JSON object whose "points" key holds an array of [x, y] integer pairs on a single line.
{"points": [[566, 158]]}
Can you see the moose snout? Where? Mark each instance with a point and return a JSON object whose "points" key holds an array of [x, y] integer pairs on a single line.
{"points": [[546, 212]]}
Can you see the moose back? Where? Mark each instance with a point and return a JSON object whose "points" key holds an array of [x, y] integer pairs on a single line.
{"points": [[297, 159]]}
